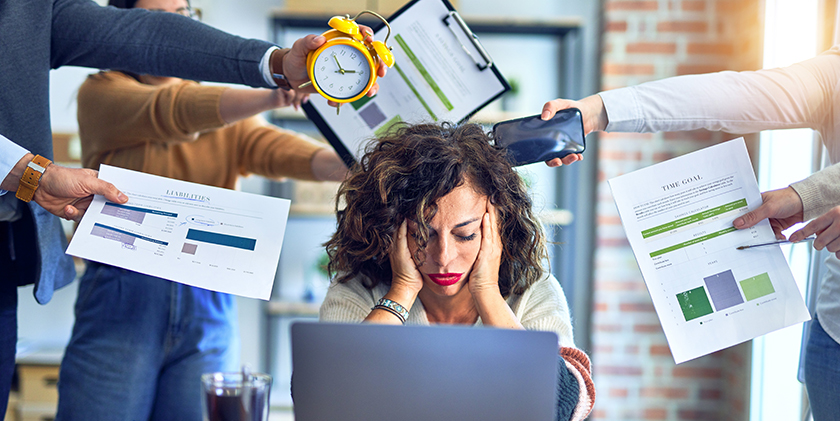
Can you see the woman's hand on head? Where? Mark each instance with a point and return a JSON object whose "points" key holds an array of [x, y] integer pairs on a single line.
{"points": [[405, 278], [484, 277]]}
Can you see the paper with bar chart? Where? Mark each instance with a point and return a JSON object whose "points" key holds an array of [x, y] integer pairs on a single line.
{"points": [[208, 237], [678, 218]]}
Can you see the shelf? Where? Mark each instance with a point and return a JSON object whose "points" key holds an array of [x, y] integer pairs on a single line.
{"points": [[38, 353], [481, 117], [497, 25], [556, 217], [513, 25], [293, 308], [492, 117], [288, 113], [312, 209]]}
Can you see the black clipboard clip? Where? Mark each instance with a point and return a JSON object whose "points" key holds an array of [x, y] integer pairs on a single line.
{"points": [[454, 16]]}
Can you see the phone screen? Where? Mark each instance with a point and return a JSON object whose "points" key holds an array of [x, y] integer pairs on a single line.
{"points": [[530, 139]]}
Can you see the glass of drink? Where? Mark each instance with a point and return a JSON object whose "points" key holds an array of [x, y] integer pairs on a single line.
{"points": [[235, 396]]}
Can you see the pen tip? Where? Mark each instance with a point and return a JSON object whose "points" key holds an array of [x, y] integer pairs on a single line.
{"points": [[740, 248]]}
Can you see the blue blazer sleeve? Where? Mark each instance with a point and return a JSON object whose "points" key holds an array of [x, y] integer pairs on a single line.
{"points": [[163, 44]]}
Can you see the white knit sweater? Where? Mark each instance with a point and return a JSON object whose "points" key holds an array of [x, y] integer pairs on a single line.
{"points": [[541, 307]]}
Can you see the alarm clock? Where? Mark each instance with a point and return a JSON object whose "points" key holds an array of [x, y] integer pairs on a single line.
{"points": [[344, 68]]}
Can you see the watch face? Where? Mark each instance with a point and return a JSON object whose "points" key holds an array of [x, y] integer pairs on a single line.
{"points": [[342, 71]]}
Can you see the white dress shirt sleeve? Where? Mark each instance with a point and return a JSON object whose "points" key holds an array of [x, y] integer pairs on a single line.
{"points": [[797, 96], [265, 68], [803, 95], [10, 154]]}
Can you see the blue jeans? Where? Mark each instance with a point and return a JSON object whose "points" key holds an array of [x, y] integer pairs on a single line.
{"points": [[822, 373], [8, 318], [140, 345], [8, 338]]}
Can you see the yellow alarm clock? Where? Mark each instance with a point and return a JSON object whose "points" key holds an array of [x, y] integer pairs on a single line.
{"points": [[344, 68]]}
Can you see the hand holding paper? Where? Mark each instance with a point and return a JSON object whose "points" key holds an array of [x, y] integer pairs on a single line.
{"points": [[678, 216]]}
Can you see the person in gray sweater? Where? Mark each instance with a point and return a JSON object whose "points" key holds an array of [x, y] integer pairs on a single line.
{"points": [[437, 228]]}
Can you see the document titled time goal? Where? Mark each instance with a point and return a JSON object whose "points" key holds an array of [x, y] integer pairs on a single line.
{"points": [[678, 218]]}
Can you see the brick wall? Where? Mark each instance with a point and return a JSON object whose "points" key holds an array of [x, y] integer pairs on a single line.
{"points": [[634, 372]]}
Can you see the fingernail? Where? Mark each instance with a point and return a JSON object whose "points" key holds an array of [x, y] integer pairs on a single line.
{"points": [[738, 222], [544, 115], [122, 197]]}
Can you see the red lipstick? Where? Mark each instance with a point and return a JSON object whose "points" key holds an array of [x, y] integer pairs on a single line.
{"points": [[445, 279]]}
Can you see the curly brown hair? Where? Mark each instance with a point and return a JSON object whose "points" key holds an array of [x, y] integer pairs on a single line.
{"points": [[403, 175]]}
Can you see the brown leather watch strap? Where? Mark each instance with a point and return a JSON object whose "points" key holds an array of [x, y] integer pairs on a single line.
{"points": [[30, 178], [276, 71]]}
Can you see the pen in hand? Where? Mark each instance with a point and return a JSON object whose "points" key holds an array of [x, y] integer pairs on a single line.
{"points": [[773, 242]]}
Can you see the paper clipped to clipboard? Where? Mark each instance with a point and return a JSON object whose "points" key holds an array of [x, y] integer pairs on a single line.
{"points": [[678, 218], [441, 73]]}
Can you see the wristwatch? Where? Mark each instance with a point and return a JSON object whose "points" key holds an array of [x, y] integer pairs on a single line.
{"points": [[30, 178]]}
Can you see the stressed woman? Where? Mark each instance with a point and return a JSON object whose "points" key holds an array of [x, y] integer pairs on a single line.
{"points": [[437, 228]]}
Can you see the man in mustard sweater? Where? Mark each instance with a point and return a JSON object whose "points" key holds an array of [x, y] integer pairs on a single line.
{"points": [[140, 343]]}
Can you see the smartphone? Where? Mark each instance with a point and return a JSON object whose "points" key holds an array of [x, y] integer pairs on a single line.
{"points": [[530, 139]]}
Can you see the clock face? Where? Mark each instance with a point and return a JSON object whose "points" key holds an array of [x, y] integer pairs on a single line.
{"points": [[342, 71]]}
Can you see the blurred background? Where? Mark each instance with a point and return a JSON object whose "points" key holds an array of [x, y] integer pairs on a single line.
{"points": [[545, 49]]}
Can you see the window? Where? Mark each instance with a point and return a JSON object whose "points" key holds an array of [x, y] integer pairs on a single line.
{"points": [[785, 157]]}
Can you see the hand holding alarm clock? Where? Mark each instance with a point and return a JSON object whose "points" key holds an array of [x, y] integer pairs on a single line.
{"points": [[346, 66]]}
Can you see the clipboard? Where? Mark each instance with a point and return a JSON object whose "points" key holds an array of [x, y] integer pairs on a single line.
{"points": [[441, 73]]}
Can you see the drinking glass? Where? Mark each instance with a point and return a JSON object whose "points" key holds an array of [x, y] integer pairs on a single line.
{"points": [[239, 396]]}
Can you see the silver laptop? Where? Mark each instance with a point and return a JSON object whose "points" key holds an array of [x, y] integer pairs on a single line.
{"points": [[370, 372]]}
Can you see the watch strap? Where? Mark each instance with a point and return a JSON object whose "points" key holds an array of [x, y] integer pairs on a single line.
{"points": [[31, 177], [281, 81], [277, 71]]}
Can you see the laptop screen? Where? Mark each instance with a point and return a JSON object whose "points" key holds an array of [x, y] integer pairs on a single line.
{"points": [[373, 372]]}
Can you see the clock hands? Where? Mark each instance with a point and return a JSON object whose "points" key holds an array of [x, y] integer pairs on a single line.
{"points": [[341, 69], [345, 85]]}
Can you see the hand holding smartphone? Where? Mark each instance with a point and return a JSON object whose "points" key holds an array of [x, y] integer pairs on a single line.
{"points": [[531, 139]]}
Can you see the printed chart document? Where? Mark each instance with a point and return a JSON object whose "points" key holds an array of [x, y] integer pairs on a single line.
{"points": [[207, 237], [678, 217], [441, 73]]}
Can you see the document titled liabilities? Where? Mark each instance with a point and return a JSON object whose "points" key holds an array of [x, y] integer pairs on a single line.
{"points": [[207, 237], [678, 218]]}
